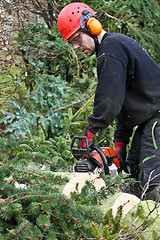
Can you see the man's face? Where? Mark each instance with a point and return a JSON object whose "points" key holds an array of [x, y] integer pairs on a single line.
{"points": [[83, 42]]}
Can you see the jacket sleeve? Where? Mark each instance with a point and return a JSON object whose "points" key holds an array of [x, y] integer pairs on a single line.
{"points": [[110, 91], [122, 134]]}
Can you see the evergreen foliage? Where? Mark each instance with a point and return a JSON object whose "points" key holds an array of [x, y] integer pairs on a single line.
{"points": [[40, 211], [39, 107], [54, 153], [89, 195], [31, 201], [49, 62], [137, 19], [141, 222], [111, 226]]}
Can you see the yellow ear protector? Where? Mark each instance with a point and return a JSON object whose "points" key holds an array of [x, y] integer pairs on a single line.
{"points": [[93, 25]]}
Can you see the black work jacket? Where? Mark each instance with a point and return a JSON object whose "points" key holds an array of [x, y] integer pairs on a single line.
{"points": [[128, 86]]}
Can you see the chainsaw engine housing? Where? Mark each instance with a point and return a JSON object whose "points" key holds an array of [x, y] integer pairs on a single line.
{"points": [[93, 156]]}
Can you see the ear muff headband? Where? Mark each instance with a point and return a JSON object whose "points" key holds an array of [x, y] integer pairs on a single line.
{"points": [[93, 25]]}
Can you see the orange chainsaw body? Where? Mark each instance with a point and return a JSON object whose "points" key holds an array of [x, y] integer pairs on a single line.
{"points": [[92, 156], [108, 151]]}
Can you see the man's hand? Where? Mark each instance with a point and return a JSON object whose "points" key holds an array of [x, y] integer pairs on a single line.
{"points": [[120, 150], [89, 135]]}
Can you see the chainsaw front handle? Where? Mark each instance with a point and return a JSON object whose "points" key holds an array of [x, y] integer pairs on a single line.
{"points": [[104, 159]]}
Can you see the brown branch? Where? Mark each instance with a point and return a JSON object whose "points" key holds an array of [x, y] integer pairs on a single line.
{"points": [[47, 12], [11, 232], [15, 139], [37, 175], [114, 18], [78, 67], [18, 232], [8, 96], [24, 197], [33, 157], [15, 195], [142, 227], [44, 209], [47, 184], [70, 237], [22, 228], [32, 173], [77, 221], [4, 82], [64, 107]]}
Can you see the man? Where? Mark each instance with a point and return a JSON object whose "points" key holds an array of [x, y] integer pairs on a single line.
{"points": [[128, 91]]}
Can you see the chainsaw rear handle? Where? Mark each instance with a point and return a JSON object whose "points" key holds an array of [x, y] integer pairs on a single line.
{"points": [[81, 152]]}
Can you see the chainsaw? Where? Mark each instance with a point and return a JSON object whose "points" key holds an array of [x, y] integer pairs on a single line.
{"points": [[92, 156]]}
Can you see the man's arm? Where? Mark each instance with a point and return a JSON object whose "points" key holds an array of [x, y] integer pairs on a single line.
{"points": [[110, 92], [122, 134]]}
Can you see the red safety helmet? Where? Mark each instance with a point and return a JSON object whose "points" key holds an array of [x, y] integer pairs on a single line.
{"points": [[69, 18]]}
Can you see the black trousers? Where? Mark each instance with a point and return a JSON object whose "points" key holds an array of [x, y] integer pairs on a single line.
{"points": [[144, 157]]}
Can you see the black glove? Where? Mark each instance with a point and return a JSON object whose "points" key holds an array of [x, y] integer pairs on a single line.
{"points": [[133, 169], [122, 159]]}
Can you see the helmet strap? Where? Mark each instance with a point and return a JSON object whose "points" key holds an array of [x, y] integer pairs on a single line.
{"points": [[95, 38]]}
